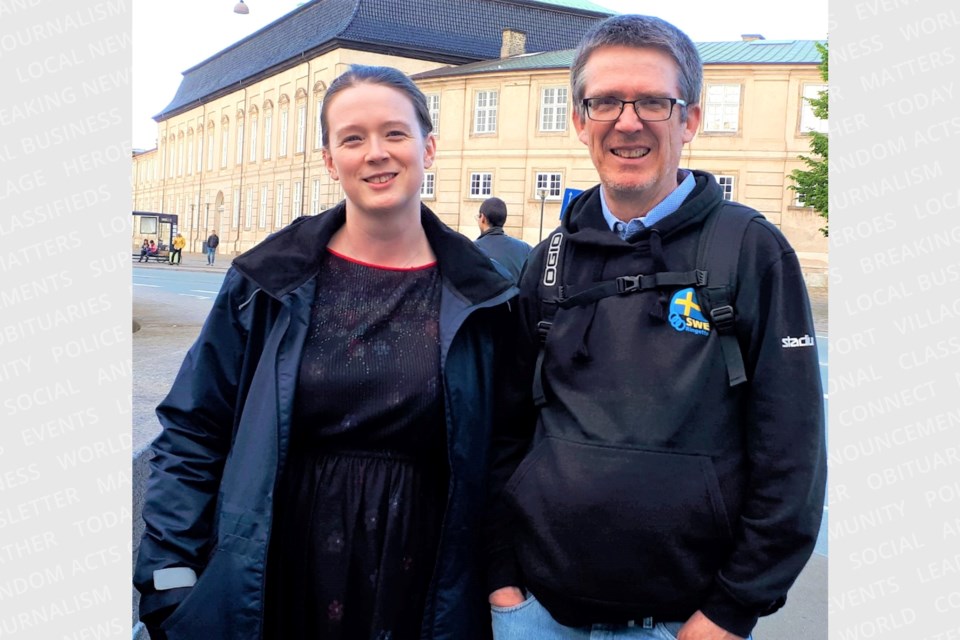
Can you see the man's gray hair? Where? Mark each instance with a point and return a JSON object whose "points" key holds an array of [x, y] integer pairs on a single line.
{"points": [[640, 32]]}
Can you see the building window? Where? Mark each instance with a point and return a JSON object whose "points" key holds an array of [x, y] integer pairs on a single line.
{"points": [[189, 155], [428, 188], [481, 185], [551, 182], [553, 109], [485, 113], [224, 143], [267, 135], [433, 103], [301, 128], [170, 153], [297, 200], [284, 122], [180, 157], [236, 208], [315, 198], [722, 108], [262, 222], [278, 211], [253, 140], [210, 147], [318, 133], [248, 217], [240, 131], [199, 151], [808, 121], [798, 200], [726, 183]]}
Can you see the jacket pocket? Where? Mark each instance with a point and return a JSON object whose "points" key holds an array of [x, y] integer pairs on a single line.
{"points": [[218, 604], [619, 526]]}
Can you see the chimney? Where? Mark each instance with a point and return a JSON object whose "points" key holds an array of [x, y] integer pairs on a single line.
{"points": [[514, 43], [750, 37]]}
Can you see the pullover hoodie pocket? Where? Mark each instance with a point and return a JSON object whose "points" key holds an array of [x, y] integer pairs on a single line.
{"points": [[618, 532]]}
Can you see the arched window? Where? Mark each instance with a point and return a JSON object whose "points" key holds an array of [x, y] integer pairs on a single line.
{"points": [[240, 132], [253, 134], [224, 140], [267, 130], [284, 125], [301, 143], [319, 91]]}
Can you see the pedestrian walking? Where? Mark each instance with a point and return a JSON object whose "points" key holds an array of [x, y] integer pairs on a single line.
{"points": [[210, 247]]}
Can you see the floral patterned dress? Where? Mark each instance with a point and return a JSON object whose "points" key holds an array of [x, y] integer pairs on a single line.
{"points": [[361, 498]]}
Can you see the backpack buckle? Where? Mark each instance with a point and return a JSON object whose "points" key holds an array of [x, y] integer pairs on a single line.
{"points": [[701, 277], [543, 328], [723, 318], [628, 284]]}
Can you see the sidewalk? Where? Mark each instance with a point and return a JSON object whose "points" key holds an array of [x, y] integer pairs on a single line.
{"points": [[191, 262]]}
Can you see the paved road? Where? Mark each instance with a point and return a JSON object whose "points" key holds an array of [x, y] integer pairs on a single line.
{"points": [[170, 304]]}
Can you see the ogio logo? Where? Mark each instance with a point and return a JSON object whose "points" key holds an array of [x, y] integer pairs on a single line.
{"points": [[793, 343], [553, 260]]}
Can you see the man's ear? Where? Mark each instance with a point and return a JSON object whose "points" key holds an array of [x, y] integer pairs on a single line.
{"points": [[692, 125], [578, 125]]}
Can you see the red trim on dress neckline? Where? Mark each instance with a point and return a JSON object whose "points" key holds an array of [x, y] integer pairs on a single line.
{"points": [[380, 266]]}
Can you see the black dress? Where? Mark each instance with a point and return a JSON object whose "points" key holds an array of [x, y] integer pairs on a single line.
{"points": [[361, 498]]}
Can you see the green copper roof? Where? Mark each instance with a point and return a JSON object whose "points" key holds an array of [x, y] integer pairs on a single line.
{"points": [[760, 52], [738, 52]]}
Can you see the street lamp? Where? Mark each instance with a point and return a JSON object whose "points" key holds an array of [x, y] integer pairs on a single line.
{"points": [[542, 194], [241, 8]]}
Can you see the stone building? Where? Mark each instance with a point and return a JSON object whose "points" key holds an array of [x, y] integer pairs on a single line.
{"points": [[239, 145]]}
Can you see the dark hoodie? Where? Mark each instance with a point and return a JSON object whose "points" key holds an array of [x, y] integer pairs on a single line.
{"points": [[646, 486]]}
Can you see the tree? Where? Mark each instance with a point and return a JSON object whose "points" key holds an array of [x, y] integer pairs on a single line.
{"points": [[811, 184]]}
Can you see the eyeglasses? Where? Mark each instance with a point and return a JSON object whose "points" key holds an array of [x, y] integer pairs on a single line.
{"points": [[608, 109]]}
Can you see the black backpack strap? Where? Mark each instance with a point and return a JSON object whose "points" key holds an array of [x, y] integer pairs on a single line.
{"points": [[551, 293], [718, 254], [633, 284]]}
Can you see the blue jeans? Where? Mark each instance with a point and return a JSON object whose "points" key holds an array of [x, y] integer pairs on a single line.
{"points": [[211, 254], [530, 621]]}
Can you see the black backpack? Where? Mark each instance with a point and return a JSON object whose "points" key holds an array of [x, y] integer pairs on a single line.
{"points": [[715, 279]]}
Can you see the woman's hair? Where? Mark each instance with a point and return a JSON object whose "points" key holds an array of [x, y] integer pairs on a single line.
{"points": [[386, 76]]}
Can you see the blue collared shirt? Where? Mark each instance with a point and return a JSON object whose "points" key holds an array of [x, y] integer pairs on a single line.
{"points": [[663, 208]]}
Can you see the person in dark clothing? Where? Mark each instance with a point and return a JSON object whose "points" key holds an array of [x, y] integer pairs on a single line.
{"points": [[144, 251], [638, 486], [210, 247], [323, 460], [509, 252]]}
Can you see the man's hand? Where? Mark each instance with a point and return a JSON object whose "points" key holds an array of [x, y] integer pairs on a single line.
{"points": [[700, 627], [506, 597]]}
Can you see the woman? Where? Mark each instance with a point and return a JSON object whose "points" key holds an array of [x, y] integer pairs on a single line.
{"points": [[324, 451], [179, 242], [144, 250]]}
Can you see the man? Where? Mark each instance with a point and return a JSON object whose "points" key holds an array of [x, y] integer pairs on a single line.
{"points": [[210, 247], [644, 491], [509, 252]]}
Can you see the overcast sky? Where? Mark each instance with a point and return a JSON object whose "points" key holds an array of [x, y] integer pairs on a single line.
{"points": [[174, 35]]}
